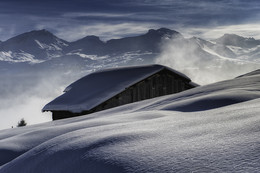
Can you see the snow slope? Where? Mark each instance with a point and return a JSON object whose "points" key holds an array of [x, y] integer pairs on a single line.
{"points": [[213, 128]]}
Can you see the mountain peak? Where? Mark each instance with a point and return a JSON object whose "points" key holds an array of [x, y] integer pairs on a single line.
{"points": [[92, 38], [232, 36], [40, 44], [163, 31], [42, 32], [236, 40], [235, 36], [33, 35]]}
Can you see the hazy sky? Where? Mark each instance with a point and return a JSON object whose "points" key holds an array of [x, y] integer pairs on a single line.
{"points": [[72, 20]]}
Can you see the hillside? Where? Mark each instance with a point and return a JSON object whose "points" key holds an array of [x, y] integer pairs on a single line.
{"points": [[212, 128]]}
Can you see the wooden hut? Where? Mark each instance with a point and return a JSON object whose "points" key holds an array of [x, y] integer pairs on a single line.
{"points": [[114, 87]]}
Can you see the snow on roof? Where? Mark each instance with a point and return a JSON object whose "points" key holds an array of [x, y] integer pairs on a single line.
{"points": [[100, 86]]}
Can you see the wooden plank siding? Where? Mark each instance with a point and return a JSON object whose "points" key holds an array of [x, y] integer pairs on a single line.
{"points": [[164, 82]]}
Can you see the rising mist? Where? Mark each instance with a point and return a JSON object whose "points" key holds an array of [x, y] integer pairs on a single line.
{"points": [[187, 56]]}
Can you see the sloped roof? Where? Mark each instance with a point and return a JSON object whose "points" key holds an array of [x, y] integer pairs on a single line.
{"points": [[95, 88]]}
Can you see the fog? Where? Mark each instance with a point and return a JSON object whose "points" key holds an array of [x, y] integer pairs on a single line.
{"points": [[24, 95], [188, 57]]}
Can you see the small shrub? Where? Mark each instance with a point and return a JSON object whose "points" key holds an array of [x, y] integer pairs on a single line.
{"points": [[21, 123]]}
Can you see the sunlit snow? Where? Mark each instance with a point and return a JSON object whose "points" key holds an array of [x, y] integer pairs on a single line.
{"points": [[213, 128]]}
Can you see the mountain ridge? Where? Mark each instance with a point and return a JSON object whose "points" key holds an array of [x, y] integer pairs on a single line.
{"points": [[236, 40], [160, 31], [39, 46]]}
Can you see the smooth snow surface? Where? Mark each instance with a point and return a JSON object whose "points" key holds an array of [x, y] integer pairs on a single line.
{"points": [[216, 129], [95, 88]]}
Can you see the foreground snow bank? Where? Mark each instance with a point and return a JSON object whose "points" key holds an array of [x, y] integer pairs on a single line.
{"points": [[166, 134]]}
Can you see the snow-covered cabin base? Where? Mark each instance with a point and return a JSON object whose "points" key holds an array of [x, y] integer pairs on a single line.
{"points": [[110, 88]]}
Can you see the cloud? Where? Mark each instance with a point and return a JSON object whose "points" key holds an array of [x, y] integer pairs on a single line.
{"points": [[198, 16], [245, 30], [104, 30], [95, 14]]}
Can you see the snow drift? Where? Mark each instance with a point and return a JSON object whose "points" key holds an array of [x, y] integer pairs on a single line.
{"points": [[213, 128]]}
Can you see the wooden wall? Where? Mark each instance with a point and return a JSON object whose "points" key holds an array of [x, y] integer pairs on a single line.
{"points": [[162, 83]]}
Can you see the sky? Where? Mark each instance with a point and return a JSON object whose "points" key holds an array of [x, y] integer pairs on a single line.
{"points": [[72, 20]]}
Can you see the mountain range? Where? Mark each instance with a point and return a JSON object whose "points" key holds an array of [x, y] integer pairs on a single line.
{"points": [[41, 48]]}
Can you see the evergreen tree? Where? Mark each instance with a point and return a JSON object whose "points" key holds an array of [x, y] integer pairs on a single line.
{"points": [[21, 123]]}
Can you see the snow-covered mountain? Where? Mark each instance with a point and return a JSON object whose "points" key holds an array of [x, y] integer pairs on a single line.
{"points": [[39, 47], [87, 45], [149, 42], [238, 41], [231, 47], [212, 128], [32, 47], [45, 49]]}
